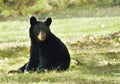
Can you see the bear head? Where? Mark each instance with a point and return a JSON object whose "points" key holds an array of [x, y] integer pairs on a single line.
{"points": [[39, 30]]}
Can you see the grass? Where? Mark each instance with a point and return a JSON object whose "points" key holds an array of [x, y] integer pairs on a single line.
{"points": [[63, 28], [94, 59]]}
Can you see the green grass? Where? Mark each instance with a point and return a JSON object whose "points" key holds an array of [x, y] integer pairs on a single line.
{"points": [[64, 28], [92, 61]]}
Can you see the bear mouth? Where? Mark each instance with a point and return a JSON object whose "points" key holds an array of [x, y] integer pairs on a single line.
{"points": [[41, 38]]}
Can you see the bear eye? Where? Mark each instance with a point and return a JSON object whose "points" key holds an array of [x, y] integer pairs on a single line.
{"points": [[36, 30]]}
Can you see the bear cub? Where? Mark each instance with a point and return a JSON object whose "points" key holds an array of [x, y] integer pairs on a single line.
{"points": [[47, 52]]}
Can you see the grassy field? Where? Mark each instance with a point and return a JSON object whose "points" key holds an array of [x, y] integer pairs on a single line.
{"points": [[93, 43]]}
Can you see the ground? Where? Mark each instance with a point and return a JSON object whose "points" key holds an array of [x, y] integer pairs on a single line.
{"points": [[93, 44]]}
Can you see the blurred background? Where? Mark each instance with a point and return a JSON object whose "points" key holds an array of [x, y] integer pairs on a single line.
{"points": [[11, 9], [89, 28]]}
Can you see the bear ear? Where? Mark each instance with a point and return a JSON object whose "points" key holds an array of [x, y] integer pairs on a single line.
{"points": [[33, 21], [48, 21]]}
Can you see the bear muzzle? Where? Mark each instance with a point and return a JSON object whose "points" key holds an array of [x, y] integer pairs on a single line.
{"points": [[42, 36]]}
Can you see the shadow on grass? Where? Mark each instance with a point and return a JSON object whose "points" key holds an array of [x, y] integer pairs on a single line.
{"points": [[98, 64], [14, 51], [107, 70]]}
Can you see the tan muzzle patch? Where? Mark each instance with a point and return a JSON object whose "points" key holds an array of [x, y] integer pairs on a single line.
{"points": [[42, 36]]}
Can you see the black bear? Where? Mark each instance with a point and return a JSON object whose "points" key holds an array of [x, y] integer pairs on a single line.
{"points": [[47, 52]]}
